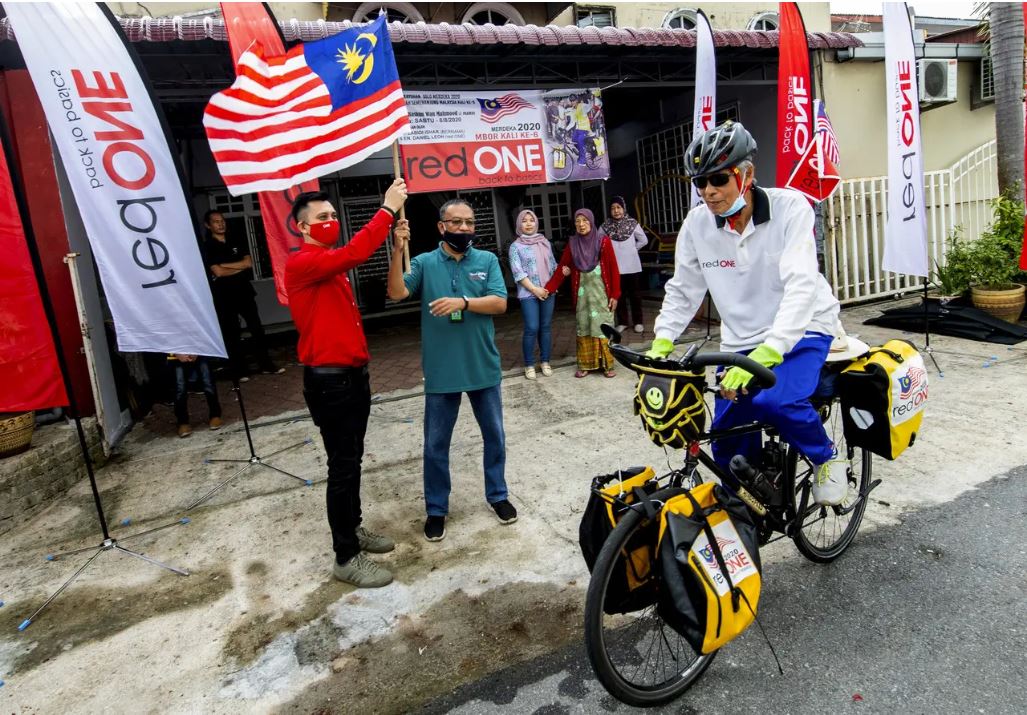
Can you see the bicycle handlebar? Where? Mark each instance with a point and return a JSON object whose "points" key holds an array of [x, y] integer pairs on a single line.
{"points": [[632, 358]]}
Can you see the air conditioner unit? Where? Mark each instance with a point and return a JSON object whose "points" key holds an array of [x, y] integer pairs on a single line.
{"points": [[986, 87], [937, 80]]}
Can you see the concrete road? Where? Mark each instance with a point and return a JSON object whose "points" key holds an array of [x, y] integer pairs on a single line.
{"points": [[923, 614], [926, 616]]}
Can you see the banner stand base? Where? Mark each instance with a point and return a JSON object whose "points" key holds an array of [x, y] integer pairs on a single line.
{"points": [[109, 544], [927, 336], [254, 460]]}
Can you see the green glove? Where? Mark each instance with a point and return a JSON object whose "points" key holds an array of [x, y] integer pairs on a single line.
{"points": [[737, 378], [661, 348]]}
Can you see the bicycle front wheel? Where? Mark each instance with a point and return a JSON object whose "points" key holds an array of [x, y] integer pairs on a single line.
{"points": [[826, 531], [638, 657], [561, 173]]}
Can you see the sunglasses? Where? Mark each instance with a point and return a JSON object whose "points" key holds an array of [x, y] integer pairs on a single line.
{"points": [[717, 180]]}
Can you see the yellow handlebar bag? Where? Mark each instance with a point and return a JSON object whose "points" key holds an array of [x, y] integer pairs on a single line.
{"points": [[883, 396], [710, 563]]}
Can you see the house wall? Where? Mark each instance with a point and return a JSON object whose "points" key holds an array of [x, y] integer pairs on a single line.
{"points": [[723, 16], [855, 96], [533, 13]]}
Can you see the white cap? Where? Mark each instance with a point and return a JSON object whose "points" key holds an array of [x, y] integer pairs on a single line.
{"points": [[845, 347]]}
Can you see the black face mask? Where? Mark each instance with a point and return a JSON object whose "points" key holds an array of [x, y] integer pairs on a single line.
{"points": [[459, 242]]}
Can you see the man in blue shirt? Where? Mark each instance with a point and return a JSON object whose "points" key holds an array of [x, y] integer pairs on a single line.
{"points": [[460, 288]]}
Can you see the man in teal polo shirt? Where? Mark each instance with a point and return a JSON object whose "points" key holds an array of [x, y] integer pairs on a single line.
{"points": [[460, 288]]}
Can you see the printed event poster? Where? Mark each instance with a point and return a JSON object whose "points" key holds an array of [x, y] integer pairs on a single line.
{"points": [[475, 140]]}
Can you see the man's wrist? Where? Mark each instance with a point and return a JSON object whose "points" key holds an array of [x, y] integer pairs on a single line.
{"points": [[467, 302], [391, 211]]}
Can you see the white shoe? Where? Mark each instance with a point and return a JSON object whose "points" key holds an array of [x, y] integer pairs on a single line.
{"points": [[639, 328], [831, 483], [621, 328], [529, 372], [547, 370]]}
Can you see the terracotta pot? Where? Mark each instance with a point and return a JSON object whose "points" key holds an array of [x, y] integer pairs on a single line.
{"points": [[16, 432], [1004, 303]]}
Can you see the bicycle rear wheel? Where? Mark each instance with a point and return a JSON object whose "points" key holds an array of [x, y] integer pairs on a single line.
{"points": [[827, 531], [638, 658]]}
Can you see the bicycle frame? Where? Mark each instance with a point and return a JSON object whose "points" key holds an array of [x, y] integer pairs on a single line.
{"points": [[786, 523]]}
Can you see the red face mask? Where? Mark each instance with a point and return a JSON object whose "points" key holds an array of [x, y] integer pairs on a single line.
{"points": [[326, 232]]}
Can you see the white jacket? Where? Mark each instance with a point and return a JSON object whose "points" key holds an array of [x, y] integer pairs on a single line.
{"points": [[764, 282]]}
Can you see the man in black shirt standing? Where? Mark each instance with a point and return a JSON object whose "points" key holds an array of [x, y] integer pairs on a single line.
{"points": [[230, 265]]}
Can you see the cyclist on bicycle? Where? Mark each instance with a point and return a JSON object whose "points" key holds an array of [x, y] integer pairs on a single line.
{"points": [[753, 249]]}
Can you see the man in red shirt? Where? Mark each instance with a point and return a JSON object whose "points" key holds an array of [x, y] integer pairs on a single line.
{"points": [[333, 351]]}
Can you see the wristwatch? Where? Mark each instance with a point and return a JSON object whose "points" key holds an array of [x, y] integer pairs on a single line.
{"points": [[467, 303]]}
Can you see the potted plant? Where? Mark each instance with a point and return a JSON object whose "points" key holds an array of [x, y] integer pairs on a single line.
{"points": [[952, 280], [993, 262]]}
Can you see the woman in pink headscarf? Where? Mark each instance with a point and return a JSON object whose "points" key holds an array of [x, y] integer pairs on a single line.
{"points": [[591, 263], [532, 264]]}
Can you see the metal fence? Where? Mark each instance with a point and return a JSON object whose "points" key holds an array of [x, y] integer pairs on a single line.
{"points": [[957, 201]]}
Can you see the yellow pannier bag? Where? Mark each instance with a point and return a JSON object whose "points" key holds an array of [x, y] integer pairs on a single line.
{"points": [[632, 584], [710, 566], [559, 158], [883, 396]]}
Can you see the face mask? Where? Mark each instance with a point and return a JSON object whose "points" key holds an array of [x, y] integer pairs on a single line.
{"points": [[737, 206], [459, 242], [326, 232]]}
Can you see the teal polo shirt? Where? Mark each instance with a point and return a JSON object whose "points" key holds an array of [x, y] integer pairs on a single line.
{"points": [[457, 357]]}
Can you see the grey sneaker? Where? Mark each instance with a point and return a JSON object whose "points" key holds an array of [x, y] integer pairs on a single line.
{"points": [[374, 543], [362, 572]]}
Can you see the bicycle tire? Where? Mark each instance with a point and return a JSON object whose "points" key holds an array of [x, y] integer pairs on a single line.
{"points": [[597, 642], [812, 539]]}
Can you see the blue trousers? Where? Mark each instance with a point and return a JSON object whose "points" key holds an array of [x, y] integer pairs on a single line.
{"points": [[538, 327], [785, 406], [440, 413], [579, 136]]}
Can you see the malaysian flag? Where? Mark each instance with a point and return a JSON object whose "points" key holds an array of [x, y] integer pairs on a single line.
{"points": [[912, 380], [492, 110], [823, 127], [318, 108]]}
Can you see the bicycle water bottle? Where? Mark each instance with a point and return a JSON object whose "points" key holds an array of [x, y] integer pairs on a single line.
{"points": [[755, 480]]}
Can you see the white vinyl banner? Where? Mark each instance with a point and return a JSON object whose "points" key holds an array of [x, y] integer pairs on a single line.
{"points": [[704, 116], [905, 233], [123, 176]]}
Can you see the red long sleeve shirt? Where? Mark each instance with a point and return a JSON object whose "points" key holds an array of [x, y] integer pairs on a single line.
{"points": [[321, 298], [608, 263]]}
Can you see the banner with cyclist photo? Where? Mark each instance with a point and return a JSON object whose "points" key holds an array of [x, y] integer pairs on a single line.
{"points": [[474, 140]]}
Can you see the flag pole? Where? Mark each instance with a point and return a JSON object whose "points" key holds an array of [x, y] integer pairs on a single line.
{"points": [[402, 211]]}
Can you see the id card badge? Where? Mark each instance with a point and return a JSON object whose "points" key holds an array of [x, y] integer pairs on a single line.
{"points": [[456, 316]]}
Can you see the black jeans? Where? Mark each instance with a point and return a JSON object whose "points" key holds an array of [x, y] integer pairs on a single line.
{"points": [[630, 297], [230, 307], [339, 400]]}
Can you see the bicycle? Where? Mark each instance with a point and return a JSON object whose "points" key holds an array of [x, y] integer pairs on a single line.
{"points": [[637, 657], [569, 149]]}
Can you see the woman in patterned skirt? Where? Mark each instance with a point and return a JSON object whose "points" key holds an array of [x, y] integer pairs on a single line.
{"points": [[590, 261]]}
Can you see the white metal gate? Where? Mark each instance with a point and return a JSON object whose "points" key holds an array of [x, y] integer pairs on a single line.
{"points": [[956, 199]]}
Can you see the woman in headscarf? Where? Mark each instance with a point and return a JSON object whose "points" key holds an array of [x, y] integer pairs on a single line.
{"points": [[595, 284], [532, 265], [627, 237]]}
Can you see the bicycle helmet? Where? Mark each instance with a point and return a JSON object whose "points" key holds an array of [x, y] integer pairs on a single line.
{"points": [[719, 148], [671, 405]]}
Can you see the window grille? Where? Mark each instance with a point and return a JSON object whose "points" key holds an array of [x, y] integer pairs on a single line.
{"points": [[663, 154], [596, 17]]}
